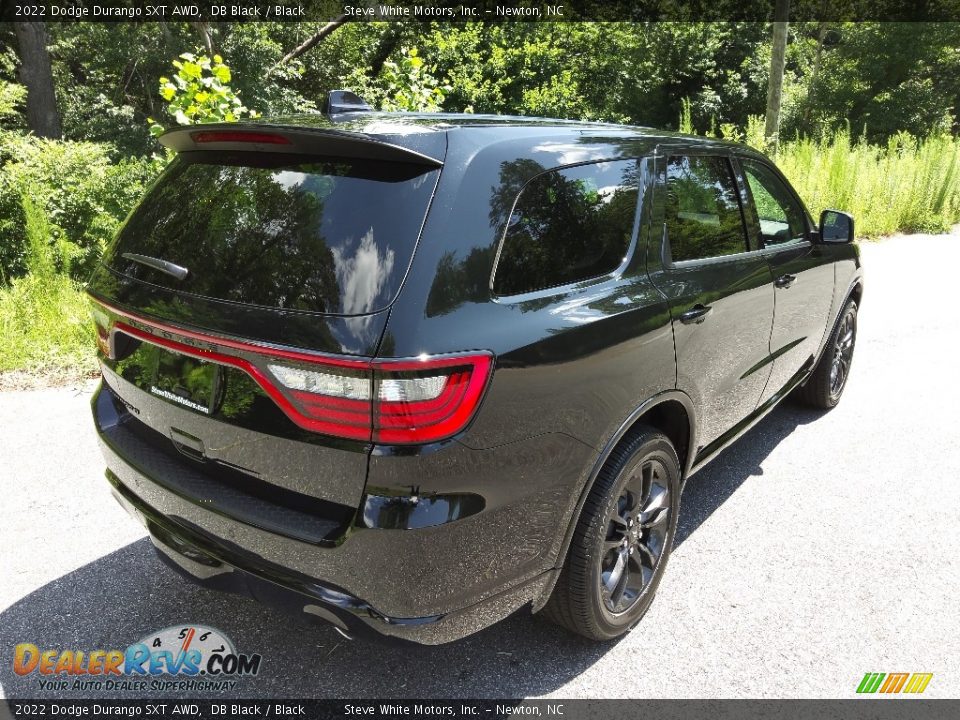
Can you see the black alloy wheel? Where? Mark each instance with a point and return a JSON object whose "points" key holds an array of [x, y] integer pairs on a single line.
{"points": [[622, 539]]}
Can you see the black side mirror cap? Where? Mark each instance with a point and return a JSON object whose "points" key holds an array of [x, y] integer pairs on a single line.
{"points": [[836, 227]]}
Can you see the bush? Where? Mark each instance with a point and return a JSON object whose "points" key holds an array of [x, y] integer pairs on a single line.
{"points": [[45, 325], [83, 191]]}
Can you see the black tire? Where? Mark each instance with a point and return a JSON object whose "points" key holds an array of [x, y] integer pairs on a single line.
{"points": [[826, 384], [639, 471]]}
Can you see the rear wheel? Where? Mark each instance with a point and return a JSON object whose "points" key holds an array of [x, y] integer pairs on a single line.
{"points": [[829, 378], [622, 540]]}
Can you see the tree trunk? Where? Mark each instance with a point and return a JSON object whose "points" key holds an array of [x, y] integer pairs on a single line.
{"points": [[206, 36], [814, 75], [35, 74], [781, 15]]}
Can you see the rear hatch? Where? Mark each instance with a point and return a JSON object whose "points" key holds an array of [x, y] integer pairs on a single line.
{"points": [[259, 252]]}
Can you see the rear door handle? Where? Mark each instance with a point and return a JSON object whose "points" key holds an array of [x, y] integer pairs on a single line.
{"points": [[697, 314], [785, 281]]}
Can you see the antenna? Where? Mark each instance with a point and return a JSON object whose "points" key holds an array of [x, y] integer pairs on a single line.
{"points": [[344, 101]]}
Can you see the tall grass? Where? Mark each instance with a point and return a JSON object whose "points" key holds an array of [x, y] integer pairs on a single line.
{"points": [[909, 185], [45, 326]]}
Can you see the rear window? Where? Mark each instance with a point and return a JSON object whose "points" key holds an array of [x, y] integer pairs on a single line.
{"points": [[568, 225], [315, 234]]}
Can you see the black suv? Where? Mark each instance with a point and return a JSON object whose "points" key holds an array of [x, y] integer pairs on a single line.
{"points": [[410, 373]]}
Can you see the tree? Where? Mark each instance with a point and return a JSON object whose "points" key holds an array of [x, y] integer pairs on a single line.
{"points": [[35, 74], [781, 15]]}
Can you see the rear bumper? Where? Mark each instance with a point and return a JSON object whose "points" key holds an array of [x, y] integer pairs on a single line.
{"points": [[406, 584], [210, 565]]}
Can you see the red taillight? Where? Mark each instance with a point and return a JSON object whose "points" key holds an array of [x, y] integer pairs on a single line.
{"points": [[394, 402], [406, 401], [444, 395], [239, 136]]}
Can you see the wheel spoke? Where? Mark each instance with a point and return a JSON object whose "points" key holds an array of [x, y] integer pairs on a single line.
{"points": [[657, 501], [613, 544], [616, 596], [615, 573], [649, 553], [655, 519], [646, 482]]}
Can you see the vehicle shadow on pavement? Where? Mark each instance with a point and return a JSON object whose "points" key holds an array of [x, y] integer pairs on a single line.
{"points": [[123, 596], [709, 488]]}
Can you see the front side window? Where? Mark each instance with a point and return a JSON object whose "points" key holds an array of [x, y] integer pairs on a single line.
{"points": [[702, 212], [780, 215], [568, 225]]}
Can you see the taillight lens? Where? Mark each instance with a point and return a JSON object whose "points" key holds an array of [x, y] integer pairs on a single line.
{"points": [[398, 402], [419, 403]]}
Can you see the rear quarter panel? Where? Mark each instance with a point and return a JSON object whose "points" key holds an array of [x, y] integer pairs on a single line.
{"points": [[572, 363]]}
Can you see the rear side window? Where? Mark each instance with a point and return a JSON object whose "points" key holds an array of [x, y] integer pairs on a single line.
{"points": [[285, 231], [568, 225], [702, 212]]}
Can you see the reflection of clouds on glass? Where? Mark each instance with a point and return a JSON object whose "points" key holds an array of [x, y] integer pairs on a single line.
{"points": [[289, 179], [362, 278]]}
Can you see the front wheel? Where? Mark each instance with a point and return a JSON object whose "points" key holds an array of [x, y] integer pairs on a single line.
{"points": [[829, 378], [622, 540]]}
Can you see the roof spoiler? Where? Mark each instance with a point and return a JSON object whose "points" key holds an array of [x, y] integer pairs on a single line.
{"points": [[263, 137]]}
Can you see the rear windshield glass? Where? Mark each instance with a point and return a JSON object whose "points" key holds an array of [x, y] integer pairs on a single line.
{"points": [[318, 234]]}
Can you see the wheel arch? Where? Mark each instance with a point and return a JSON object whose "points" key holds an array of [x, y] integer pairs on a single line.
{"points": [[672, 413]]}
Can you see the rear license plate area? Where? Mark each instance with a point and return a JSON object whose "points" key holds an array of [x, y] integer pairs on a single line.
{"points": [[185, 381]]}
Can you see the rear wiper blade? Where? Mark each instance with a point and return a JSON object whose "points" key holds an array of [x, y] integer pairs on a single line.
{"points": [[165, 266]]}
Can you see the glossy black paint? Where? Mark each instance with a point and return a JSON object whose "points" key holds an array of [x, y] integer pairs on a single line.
{"points": [[444, 539]]}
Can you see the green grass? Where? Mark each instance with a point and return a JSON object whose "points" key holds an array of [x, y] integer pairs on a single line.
{"points": [[909, 185], [45, 328], [45, 325]]}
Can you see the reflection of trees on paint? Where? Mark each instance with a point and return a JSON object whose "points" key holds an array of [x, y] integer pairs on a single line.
{"points": [[456, 282]]}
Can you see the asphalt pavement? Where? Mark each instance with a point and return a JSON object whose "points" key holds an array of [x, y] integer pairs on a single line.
{"points": [[816, 549]]}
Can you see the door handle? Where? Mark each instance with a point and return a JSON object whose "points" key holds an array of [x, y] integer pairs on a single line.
{"points": [[697, 314], [785, 281]]}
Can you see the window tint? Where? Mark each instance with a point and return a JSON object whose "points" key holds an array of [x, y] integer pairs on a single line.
{"points": [[781, 217], [288, 231], [702, 213], [568, 225]]}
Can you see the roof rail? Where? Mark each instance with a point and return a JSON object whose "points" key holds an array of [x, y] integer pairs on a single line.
{"points": [[344, 101]]}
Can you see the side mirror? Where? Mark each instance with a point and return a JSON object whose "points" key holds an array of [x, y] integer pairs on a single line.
{"points": [[836, 227]]}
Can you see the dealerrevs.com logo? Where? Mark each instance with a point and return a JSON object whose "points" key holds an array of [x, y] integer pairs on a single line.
{"points": [[201, 658]]}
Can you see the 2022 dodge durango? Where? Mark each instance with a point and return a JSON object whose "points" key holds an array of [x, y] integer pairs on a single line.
{"points": [[410, 373]]}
